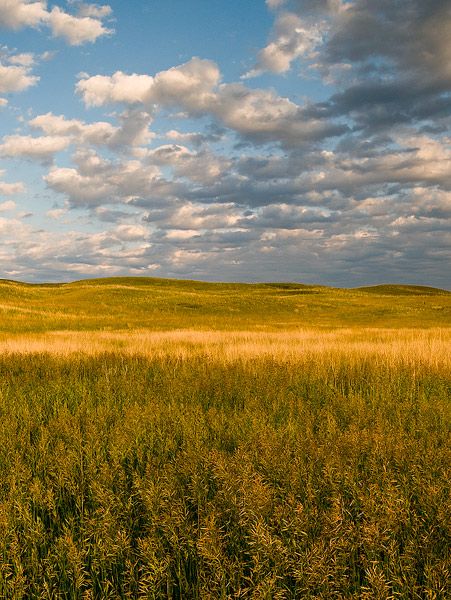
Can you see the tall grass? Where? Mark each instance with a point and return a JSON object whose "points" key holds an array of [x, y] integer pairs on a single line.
{"points": [[193, 467]]}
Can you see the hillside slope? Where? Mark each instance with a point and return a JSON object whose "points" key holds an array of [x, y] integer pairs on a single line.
{"points": [[136, 303]]}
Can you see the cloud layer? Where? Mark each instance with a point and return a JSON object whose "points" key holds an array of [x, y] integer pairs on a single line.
{"points": [[188, 174]]}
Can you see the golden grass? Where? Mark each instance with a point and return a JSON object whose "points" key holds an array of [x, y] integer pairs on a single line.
{"points": [[431, 347]]}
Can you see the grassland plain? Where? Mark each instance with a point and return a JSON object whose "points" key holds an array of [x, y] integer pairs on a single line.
{"points": [[164, 439]]}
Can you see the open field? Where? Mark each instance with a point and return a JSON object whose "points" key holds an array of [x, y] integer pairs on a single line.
{"points": [[185, 440]]}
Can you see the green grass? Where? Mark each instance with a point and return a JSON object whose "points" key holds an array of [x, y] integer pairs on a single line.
{"points": [[159, 304], [315, 464]]}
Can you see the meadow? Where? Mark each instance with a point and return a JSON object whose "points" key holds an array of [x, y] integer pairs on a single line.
{"points": [[173, 439]]}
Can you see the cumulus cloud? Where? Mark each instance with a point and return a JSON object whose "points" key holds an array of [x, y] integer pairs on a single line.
{"points": [[15, 78], [298, 33], [191, 83], [86, 26], [94, 10], [58, 125], [202, 167], [15, 14], [96, 181], [195, 87], [120, 87], [292, 38], [25, 59], [133, 131], [41, 148], [76, 30], [263, 116]]}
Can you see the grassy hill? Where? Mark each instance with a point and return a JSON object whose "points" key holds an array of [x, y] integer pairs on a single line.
{"points": [[164, 304]]}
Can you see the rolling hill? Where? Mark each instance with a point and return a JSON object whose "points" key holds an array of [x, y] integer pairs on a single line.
{"points": [[123, 303]]}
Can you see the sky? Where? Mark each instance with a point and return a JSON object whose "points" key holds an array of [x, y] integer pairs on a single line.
{"points": [[238, 140]]}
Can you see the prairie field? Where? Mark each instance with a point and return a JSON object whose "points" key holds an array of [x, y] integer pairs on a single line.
{"points": [[176, 439]]}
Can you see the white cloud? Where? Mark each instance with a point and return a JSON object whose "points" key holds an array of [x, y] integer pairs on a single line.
{"points": [[189, 85], [25, 146], [195, 88], [80, 189], [128, 89], [85, 27], [191, 137], [15, 14], [292, 38], [133, 129], [57, 125], [76, 30], [3, 102], [15, 78], [192, 216], [25, 59], [201, 167], [96, 181], [130, 233], [263, 115], [94, 10]]}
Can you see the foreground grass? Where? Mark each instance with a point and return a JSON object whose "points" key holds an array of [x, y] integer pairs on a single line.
{"points": [[191, 475]]}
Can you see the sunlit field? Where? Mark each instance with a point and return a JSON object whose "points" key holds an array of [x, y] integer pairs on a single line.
{"points": [[183, 440]]}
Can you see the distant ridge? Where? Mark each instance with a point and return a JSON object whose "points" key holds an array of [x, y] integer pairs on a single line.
{"points": [[402, 290], [381, 289]]}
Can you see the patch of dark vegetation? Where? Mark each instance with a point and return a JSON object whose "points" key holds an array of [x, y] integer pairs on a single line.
{"points": [[403, 290]]}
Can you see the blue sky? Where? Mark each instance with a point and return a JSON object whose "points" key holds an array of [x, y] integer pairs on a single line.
{"points": [[249, 141]]}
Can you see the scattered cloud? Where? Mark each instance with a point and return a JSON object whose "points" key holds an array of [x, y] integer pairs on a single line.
{"points": [[120, 87], [84, 27], [292, 38], [15, 78], [76, 30], [95, 181], [41, 148], [194, 87], [194, 175]]}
